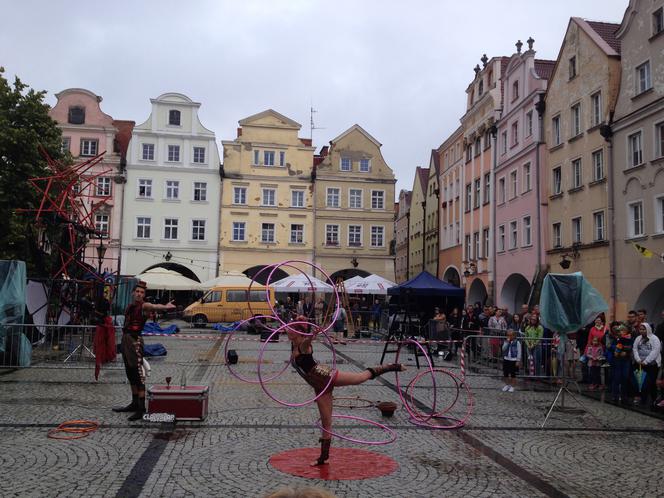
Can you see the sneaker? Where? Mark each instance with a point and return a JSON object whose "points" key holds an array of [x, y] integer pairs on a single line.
{"points": [[506, 388], [510, 389]]}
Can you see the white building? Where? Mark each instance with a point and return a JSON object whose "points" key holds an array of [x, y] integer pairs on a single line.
{"points": [[171, 203]]}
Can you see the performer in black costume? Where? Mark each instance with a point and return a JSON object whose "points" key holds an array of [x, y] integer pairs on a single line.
{"points": [[132, 349]]}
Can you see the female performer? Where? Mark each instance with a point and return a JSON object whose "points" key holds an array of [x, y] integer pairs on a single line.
{"points": [[318, 376]]}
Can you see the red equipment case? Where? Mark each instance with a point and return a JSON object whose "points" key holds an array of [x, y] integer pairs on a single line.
{"points": [[185, 402]]}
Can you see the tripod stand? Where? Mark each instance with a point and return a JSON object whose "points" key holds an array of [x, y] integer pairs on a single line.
{"points": [[564, 389], [80, 348]]}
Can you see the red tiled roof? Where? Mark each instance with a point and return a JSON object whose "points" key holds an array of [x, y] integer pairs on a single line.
{"points": [[544, 68], [607, 31]]}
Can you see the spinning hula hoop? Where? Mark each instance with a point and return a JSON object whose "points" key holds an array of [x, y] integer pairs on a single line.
{"points": [[393, 435], [411, 386], [433, 381], [459, 422]]}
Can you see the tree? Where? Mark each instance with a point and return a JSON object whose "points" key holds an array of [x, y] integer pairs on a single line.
{"points": [[24, 126]]}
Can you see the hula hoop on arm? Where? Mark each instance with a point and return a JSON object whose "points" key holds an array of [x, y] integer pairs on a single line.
{"points": [[393, 435]]}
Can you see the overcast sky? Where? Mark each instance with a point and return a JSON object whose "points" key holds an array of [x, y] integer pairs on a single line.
{"points": [[397, 68]]}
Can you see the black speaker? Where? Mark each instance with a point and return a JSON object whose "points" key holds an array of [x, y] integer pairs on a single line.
{"points": [[231, 357]]}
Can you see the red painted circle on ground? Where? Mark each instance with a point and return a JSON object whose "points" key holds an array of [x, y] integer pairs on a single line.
{"points": [[343, 464]]}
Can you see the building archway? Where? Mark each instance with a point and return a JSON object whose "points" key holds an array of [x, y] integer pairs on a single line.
{"points": [[477, 292], [347, 273], [451, 276], [177, 267], [514, 293], [263, 276], [652, 299]]}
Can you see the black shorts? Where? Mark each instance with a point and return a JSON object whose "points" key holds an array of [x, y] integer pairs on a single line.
{"points": [[509, 368]]}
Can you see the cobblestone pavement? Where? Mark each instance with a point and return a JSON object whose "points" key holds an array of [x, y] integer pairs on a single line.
{"points": [[603, 451]]}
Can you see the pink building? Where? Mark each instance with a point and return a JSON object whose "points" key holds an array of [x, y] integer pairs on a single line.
{"points": [[86, 132], [520, 189]]}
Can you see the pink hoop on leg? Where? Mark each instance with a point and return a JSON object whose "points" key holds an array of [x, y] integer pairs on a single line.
{"points": [[392, 434]]}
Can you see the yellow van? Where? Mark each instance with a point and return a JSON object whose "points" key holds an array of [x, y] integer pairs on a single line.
{"points": [[229, 304]]}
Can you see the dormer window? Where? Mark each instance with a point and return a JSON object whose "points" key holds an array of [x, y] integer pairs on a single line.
{"points": [[174, 117], [76, 115]]}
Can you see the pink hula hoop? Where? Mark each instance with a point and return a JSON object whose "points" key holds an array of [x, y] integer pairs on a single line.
{"points": [[393, 435], [433, 381]]}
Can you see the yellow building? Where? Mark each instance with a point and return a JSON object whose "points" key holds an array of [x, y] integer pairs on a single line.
{"points": [[267, 194], [416, 222], [431, 209], [354, 209]]}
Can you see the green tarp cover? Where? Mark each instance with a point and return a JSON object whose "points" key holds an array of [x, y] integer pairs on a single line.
{"points": [[13, 280], [568, 302]]}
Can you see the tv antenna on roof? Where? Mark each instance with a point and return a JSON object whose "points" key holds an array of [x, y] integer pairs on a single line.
{"points": [[312, 126]]}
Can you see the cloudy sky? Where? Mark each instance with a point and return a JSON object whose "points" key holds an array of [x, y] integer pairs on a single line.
{"points": [[397, 68]]}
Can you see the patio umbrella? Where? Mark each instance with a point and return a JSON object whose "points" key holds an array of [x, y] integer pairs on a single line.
{"points": [[301, 283], [373, 284], [162, 279]]}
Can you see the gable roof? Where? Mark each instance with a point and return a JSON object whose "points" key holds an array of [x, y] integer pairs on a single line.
{"points": [[270, 112], [357, 127], [544, 68], [607, 31], [422, 174], [435, 160]]}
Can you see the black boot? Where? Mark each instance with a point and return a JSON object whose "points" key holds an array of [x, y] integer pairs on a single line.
{"points": [[324, 451], [140, 411], [133, 406], [381, 369]]}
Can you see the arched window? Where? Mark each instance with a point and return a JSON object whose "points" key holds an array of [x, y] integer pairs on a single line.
{"points": [[480, 88], [174, 117], [76, 115]]}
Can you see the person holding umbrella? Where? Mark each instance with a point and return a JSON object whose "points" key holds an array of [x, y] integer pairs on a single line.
{"points": [[647, 360]]}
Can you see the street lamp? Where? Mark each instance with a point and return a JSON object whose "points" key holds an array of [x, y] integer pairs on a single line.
{"points": [[168, 256]]}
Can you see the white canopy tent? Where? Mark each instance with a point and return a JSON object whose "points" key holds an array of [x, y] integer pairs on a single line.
{"points": [[230, 279], [301, 283], [163, 279], [373, 284], [352, 281]]}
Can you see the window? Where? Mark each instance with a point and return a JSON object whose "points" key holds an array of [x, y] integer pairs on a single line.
{"points": [[199, 155], [197, 229], [596, 109], [598, 225], [101, 224], [174, 153], [487, 188], [256, 157], [143, 225], [478, 146], [515, 133], [377, 236], [487, 140], [457, 188], [658, 21], [476, 244], [239, 229], [267, 233], [529, 123], [172, 190], [377, 199], [269, 197], [476, 197], [282, 158], [514, 236], [89, 147], [66, 145], [485, 242], [239, 195], [576, 173], [634, 150], [576, 230], [170, 228], [466, 240], [148, 152], [103, 186], [515, 90], [501, 238], [365, 165], [346, 164], [76, 115], [659, 213], [572, 67], [557, 184], [480, 88], [145, 188], [469, 153], [526, 177], [355, 235], [355, 198], [598, 165], [297, 198], [513, 184], [297, 233], [643, 77], [576, 120], [659, 139], [333, 197], [457, 237], [332, 235], [174, 117], [557, 235], [555, 131], [527, 232], [635, 219], [501, 190], [503, 142], [200, 191], [268, 158], [469, 196]]}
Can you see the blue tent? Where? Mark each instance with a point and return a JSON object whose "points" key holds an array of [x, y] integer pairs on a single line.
{"points": [[425, 284]]}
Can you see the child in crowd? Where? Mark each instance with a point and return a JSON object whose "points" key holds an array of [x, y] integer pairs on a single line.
{"points": [[511, 360], [595, 355]]}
